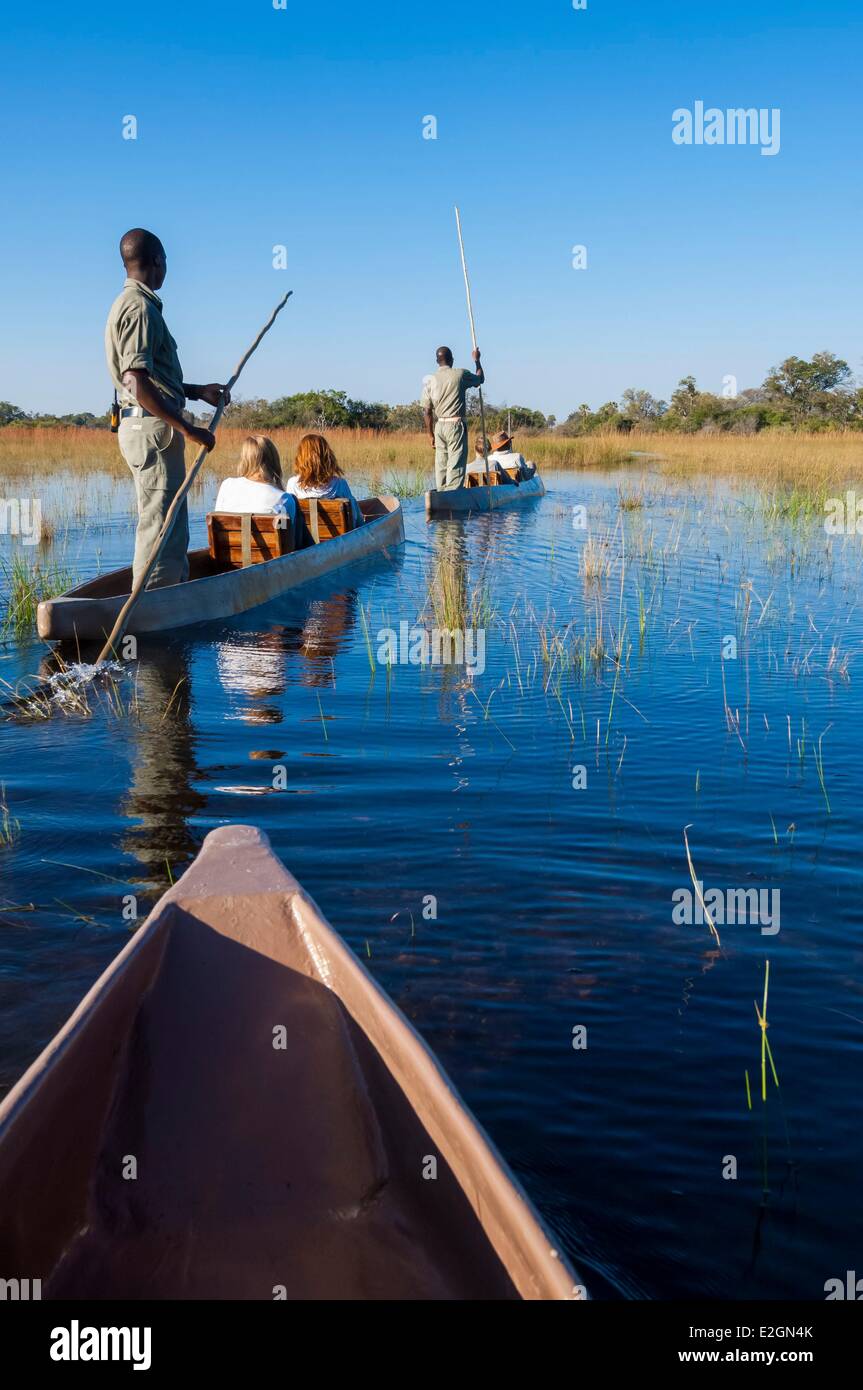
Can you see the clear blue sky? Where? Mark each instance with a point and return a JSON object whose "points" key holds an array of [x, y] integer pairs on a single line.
{"points": [[303, 126]]}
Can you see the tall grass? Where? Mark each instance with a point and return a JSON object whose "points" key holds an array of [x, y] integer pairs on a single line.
{"points": [[769, 459], [26, 583], [10, 828]]}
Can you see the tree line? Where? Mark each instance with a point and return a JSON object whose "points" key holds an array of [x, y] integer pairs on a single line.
{"points": [[818, 394]]}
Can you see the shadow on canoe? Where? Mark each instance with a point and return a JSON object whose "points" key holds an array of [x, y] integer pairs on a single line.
{"points": [[237, 1110]]}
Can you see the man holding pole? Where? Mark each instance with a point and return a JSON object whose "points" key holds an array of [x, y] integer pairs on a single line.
{"points": [[144, 366], [444, 412]]}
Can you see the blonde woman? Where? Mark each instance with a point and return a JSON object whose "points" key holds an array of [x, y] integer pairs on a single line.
{"points": [[258, 486], [318, 474]]}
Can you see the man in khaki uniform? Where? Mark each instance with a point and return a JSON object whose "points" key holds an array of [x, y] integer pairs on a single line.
{"points": [[444, 398], [144, 366]]}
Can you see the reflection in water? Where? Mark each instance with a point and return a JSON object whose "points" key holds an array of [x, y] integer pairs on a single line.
{"points": [[160, 795], [553, 905], [448, 606], [256, 666]]}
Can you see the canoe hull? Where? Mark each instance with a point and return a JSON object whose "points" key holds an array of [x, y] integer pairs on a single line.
{"points": [[89, 612], [289, 1127], [461, 501]]}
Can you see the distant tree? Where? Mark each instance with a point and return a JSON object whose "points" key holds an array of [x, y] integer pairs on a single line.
{"points": [[10, 414], [312, 410], [587, 421], [640, 408], [813, 388], [368, 415], [256, 415], [514, 417], [405, 417], [683, 400]]}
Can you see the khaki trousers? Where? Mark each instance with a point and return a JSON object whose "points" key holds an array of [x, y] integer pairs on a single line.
{"points": [[155, 453], [450, 454]]}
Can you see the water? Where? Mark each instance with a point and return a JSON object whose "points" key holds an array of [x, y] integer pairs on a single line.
{"points": [[418, 787]]}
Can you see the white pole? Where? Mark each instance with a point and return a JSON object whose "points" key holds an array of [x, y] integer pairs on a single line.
{"points": [[473, 338]]}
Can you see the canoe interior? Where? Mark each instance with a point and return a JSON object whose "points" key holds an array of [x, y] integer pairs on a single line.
{"points": [[257, 1167], [118, 583]]}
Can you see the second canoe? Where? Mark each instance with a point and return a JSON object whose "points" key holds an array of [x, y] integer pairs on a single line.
{"points": [[461, 501]]}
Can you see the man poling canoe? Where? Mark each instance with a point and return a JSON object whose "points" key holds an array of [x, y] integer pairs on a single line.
{"points": [[445, 415], [145, 368]]}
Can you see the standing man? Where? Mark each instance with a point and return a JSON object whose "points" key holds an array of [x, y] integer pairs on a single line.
{"points": [[444, 395], [145, 369]]}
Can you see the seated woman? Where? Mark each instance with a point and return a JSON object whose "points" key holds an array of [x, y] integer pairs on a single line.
{"points": [[318, 474], [505, 456], [478, 467], [258, 487]]}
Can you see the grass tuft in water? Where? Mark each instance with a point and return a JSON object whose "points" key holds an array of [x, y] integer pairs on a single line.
{"points": [[10, 828], [28, 582]]}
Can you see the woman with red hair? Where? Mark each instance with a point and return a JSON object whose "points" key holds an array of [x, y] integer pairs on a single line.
{"points": [[318, 474]]}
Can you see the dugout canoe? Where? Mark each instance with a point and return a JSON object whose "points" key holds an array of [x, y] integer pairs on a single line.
{"points": [[89, 611], [237, 1110], [461, 501]]}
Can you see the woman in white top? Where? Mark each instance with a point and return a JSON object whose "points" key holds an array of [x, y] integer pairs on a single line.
{"points": [[318, 474], [258, 487]]}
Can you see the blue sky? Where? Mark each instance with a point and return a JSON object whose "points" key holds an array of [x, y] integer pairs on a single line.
{"points": [[303, 127]]}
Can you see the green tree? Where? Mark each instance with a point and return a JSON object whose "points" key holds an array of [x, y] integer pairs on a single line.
{"points": [[640, 408], [816, 387]]}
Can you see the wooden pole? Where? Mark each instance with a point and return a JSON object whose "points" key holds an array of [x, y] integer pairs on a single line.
{"points": [[167, 525], [473, 341]]}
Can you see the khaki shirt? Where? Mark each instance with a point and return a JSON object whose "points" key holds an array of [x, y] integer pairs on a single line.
{"points": [[137, 337], [445, 391]]}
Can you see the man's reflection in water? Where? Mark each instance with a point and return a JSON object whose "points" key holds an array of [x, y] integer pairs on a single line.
{"points": [[256, 667], [161, 798]]}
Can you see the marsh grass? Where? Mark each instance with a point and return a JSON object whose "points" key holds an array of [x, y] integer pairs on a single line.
{"points": [[411, 482], [812, 463], [27, 582], [10, 828], [595, 560], [455, 604], [766, 1053]]}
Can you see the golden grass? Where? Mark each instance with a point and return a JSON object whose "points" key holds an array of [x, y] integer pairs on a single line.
{"points": [[772, 458]]}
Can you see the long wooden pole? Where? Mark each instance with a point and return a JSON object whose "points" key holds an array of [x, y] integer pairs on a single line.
{"points": [[473, 340], [167, 525]]}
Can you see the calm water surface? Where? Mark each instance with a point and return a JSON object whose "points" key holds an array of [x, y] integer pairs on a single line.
{"points": [[554, 900]]}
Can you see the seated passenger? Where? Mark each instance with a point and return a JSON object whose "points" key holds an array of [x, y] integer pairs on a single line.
{"points": [[258, 487], [318, 474], [479, 466], [482, 449], [505, 456]]}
